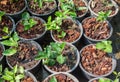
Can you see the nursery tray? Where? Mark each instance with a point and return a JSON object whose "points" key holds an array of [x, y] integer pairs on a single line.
{"points": [[42, 74]]}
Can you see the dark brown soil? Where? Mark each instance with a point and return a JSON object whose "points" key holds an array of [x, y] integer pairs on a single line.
{"points": [[25, 55], [61, 78], [27, 79], [6, 22], [72, 31], [47, 7], [8, 7], [33, 32], [79, 3], [95, 29], [96, 61], [1, 50], [99, 5], [71, 60]]}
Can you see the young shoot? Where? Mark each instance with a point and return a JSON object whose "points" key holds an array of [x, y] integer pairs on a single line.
{"points": [[40, 2], [102, 16], [53, 79], [104, 80], [14, 75], [117, 76], [12, 42], [52, 54], [1, 15], [27, 21], [56, 23], [105, 46], [5, 30]]}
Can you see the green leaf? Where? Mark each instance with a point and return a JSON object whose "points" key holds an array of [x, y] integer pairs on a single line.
{"points": [[1, 15], [116, 80], [5, 29], [21, 70], [7, 77], [32, 22], [18, 77], [15, 37], [15, 69], [25, 16], [114, 72], [0, 69], [8, 43], [60, 59], [9, 52], [50, 62], [53, 79]]}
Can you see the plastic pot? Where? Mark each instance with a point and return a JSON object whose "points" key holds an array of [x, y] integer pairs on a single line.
{"points": [[75, 41], [89, 75], [74, 67], [81, 16], [13, 26], [42, 15], [16, 16], [97, 79], [109, 17], [31, 75], [35, 65], [89, 40], [64, 73], [38, 35]]}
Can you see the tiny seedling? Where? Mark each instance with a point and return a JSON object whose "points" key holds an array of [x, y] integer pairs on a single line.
{"points": [[13, 43], [52, 54], [15, 75], [40, 2], [56, 23], [27, 21], [1, 15], [102, 16], [5, 30], [105, 46]]}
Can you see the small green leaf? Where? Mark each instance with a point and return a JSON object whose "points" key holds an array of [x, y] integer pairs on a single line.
{"points": [[5, 29], [15, 37], [8, 43], [15, 68], [9, 52], [50, 62], [7, 77], [60, 59], [25, 16], [116, 80], [21, 70], [53, 79], [18, 77]]}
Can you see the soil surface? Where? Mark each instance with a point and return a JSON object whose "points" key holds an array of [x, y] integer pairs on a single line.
{"points": [[70, 62], [95, 29], [96, 61], [46, 8], [27, 79], [102, 5], [61, 78], [33, 32], [11, 7], [25, 55], [6, 22], [71, 29], [80, 3]]}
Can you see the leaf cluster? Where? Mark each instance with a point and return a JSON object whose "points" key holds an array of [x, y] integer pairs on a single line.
{"points": [[40, 2], [28, 22], [105, 46], [14, 75], [52, 54], [12, 42], [102, 16], [56, 23]]}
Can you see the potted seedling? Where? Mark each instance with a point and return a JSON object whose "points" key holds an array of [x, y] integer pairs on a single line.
{"points": [[41, 7], [17, 74], [7, 25], [63, 28], [95, 6], [97, 28], [76, 8], [30, 27], [21, 52], [59, 57], [96, 59], [61, 77], [102, 79], [13, 8]]}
